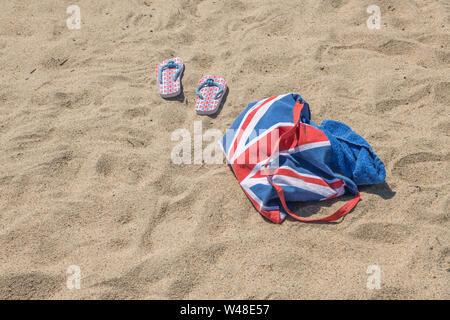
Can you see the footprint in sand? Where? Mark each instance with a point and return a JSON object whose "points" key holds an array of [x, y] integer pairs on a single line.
{"points": [[72, 100], [29, 286], [268, 63], [444, 258], [423, 168], [389, 293], [130, 169], [156, 218], [442, 93], [105, 165], [184, 268], [396, 47], [381, 232], [190, 274], [63, 164], [338, 3], [33, 138], [136, 112], [118, 244], [181, 287], [390, 104], [201, 61]]}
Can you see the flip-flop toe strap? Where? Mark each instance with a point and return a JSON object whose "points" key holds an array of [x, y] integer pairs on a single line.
{"points": [[210, 83], [169, 65]]}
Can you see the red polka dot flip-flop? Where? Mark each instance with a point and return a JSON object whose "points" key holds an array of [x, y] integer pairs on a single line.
{"points": [[168, 75], [210, 91]]}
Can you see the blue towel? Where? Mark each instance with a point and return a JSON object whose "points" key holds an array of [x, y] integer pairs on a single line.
{"points": [[352, 155]]}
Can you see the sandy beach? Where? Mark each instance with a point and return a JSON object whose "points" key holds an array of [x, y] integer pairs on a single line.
{"points": [[87, 179]]}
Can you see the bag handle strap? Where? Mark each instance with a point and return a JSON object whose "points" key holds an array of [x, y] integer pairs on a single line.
{"points": [[342, 211]]}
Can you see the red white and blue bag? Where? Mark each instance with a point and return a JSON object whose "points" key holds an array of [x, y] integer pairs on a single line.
{"points": [[281, 157]]}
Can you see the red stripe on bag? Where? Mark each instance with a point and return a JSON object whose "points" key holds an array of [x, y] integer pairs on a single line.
{"points": [[342, 211]]}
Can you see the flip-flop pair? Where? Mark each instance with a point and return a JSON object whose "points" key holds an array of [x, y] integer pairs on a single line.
{"points": [[210, 89]]}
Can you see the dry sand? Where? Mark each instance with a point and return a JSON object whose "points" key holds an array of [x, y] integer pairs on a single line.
{"points": [[85, 171]]}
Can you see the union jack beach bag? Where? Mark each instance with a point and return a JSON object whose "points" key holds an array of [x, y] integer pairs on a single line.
{"points": [[281, 157]]}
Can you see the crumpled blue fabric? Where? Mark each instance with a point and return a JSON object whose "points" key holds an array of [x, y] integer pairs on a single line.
{"points": [[352, 155]]}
